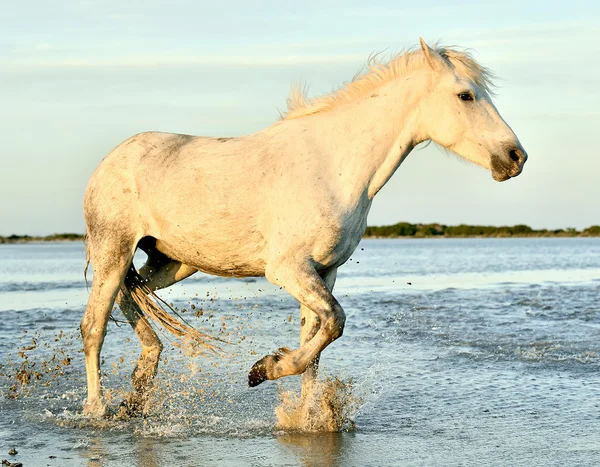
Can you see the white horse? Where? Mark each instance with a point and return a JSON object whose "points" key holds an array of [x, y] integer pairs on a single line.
{"points": [[289, 202]]}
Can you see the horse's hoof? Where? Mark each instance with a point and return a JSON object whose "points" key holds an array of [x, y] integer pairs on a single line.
{"points": [[260, 370], [129, 409], [258, 373], [133, 406], [95, 409]]}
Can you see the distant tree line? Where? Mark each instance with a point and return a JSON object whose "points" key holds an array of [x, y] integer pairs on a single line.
{"points": [[61, 237], [405, 229], [401, 229]]}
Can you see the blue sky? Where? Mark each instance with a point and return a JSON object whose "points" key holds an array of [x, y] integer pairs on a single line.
{"points": [[77, 78]]}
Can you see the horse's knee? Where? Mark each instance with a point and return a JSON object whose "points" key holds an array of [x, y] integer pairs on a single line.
{"points": [[334, 325]]}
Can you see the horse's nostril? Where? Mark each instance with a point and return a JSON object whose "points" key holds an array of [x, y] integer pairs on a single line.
{"points": [[515, 155]]}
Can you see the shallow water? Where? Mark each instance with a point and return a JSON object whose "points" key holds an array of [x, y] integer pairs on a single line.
{"points": [[463, 352]]}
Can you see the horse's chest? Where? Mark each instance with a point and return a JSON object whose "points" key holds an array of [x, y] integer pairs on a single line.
{"points": [[336, 246]]}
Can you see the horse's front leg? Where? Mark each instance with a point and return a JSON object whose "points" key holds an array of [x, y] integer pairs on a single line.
{"points": [[309, 326], [304, 283]]}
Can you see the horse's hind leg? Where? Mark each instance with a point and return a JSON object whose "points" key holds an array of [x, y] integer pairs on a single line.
{"points": [[111, 257], [309, 325], [145, 369], [158, 272]]}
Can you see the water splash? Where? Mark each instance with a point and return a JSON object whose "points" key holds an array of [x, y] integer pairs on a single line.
{"points": [[331, 406]]}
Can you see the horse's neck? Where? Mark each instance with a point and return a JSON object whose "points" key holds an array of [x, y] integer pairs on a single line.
{"points": [[368, 139]]}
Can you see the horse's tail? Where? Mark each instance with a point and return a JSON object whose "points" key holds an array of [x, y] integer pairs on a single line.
{"points": [[153, 307]]}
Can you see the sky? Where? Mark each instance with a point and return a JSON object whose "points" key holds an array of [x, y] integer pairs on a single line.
{"points": [[79, 77]]}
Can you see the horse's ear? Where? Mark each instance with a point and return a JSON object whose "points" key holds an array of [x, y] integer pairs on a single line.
{"points": [[433, 58]]}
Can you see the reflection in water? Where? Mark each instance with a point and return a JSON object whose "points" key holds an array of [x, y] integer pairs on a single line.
{"points": [[317, 449], [104, 448], [96, 453], [146, 455]]}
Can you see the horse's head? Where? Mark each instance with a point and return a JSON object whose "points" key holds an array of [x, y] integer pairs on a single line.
{"points": [[460, 114]]}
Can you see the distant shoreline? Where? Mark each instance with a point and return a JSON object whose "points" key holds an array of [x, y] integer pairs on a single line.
{"points": [[62, 237], [407, 230], [399, 230]]}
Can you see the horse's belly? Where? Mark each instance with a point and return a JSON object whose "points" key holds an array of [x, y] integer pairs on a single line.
{"points": [[233, 257]]}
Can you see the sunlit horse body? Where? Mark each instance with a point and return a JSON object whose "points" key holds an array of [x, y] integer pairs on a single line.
{"points": [[289, 202]]}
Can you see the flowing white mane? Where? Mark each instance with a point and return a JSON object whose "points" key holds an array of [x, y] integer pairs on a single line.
{"points": [[378, 73]]}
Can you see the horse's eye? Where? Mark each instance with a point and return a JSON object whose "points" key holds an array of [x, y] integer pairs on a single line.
{"points": [[465, 96]]}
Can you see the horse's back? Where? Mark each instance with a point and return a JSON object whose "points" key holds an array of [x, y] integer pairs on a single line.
{"points": [[197, 196]]}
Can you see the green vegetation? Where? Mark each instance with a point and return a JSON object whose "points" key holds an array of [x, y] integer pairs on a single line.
{"points": [[61, 237], [404, 229], [593, 231]]}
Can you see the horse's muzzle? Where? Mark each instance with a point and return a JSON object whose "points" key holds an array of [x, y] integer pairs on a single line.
{"points": [[508, 165]]}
